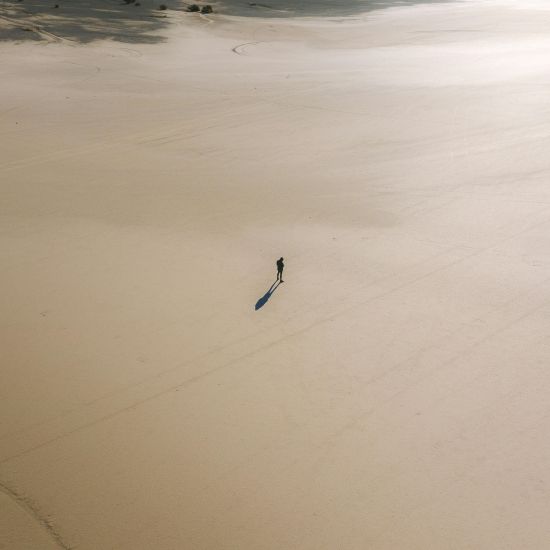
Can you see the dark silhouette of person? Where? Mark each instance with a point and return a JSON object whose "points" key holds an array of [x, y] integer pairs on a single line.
{"points": [[280, 267]]}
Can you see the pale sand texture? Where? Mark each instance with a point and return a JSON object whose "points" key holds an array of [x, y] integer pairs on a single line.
{"points": [[392, 394]]}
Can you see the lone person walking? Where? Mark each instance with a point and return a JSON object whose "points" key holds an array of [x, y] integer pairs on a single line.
{"points": [[280, 267]]}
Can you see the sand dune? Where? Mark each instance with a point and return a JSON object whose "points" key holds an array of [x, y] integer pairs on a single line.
{"points": [[391, 394]]}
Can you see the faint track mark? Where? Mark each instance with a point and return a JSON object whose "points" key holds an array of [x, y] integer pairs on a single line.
{"points": [[29, 26], [240, 48], [32, 510]]}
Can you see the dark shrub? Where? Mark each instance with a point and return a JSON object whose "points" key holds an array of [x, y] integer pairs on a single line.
{"points": [[207, 9], [163, 7], [193, 7]]}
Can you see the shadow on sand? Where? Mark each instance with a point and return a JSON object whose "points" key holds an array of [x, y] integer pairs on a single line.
{"points": [[263, 300], [83, 21], [142, 22], [313, 8]]}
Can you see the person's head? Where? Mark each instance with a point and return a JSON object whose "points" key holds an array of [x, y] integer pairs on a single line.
{"points": [[281, 258]]}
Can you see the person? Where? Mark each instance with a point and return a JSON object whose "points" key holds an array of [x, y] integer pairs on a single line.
{"points": [[280, 267]]}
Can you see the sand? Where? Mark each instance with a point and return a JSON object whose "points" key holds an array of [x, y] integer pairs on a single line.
{"points": [[392, 393]]}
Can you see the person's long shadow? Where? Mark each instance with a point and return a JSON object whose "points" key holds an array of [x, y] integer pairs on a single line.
{"points": [[263, 300]]}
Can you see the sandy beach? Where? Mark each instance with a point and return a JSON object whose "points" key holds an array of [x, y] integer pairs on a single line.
{"points": [[392, 393]]}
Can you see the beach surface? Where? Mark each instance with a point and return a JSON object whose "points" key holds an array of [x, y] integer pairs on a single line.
{"points": [[392, 393]]}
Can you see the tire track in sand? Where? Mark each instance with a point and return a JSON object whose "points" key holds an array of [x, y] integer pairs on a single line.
{"points": [[240, 49], [31, 508]]}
